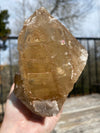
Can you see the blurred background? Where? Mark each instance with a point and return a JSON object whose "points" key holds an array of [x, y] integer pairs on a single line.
{"points": [[80, 17]]}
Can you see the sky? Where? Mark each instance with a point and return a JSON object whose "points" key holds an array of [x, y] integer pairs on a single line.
{"points": [[89, 28]]}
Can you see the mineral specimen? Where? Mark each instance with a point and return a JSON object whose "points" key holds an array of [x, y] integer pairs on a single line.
{"points": [[50, 60]]}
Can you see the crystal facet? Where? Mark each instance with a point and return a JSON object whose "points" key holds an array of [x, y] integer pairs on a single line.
{"points": [[51, 60]]}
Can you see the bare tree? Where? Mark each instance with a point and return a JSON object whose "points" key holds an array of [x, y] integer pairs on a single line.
{"points": [[24, 8], [71, 13]]}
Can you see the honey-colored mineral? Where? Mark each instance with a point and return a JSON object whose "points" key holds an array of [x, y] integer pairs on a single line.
{"points": [[50, 61]]}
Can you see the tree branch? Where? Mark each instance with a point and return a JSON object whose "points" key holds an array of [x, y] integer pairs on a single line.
{"points": [[67, 17], [55, 7]]}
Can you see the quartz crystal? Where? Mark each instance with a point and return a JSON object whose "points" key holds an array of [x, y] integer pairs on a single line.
{"points": [[50, 60]]}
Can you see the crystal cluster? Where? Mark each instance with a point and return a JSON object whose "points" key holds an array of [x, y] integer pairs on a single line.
{"points": [[51, 60]]}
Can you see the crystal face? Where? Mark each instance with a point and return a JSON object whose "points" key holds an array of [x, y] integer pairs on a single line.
{"points": [[50, 60]]}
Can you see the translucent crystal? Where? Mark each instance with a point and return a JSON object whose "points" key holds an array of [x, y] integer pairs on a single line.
{"points": [[50, 60]]}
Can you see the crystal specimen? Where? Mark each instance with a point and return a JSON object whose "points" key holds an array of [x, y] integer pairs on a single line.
{"points": [[50, 60]]}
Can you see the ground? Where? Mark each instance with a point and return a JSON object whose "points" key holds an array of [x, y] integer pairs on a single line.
{"points": [[80, 115]]}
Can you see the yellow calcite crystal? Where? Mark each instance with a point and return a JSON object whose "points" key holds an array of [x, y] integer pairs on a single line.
{"points": [[50, 60]]}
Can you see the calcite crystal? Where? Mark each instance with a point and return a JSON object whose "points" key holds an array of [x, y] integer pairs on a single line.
{"points": [[50, 60]]}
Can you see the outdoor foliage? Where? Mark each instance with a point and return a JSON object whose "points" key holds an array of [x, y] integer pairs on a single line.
{"points": [[4, 31]]}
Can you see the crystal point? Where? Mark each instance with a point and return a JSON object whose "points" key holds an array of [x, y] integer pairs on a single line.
{"points": [[51, 60]]}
